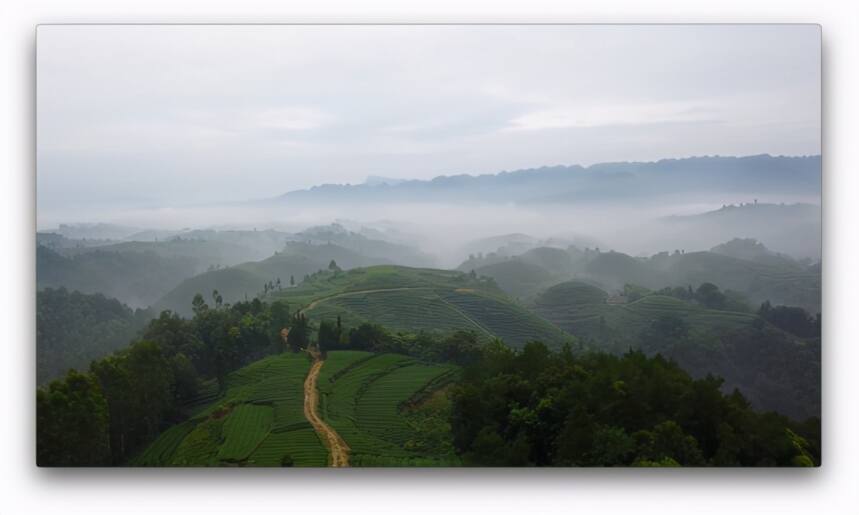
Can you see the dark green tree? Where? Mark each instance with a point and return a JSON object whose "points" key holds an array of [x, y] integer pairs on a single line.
{"points": [[72, 423], [299, 332]]}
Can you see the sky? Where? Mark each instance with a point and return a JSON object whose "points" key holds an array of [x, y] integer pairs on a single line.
{"points": [[140, 117]]}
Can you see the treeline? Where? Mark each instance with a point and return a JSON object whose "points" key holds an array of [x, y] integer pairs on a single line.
{"points": [[792, 319], [544, 408], [707, 295], [103, 416], [775, 360], [73, 328], [459, 347], [775, 370]]}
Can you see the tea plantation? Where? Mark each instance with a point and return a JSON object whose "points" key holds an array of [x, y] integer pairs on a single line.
{"points": [[257, 422]]}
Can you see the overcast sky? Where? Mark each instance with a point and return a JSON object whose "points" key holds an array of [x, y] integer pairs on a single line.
{"points": [[143, 116]]}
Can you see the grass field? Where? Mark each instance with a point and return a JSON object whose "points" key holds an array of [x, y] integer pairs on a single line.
{"points": [[421, 299], [257, 421], [362, 396]]}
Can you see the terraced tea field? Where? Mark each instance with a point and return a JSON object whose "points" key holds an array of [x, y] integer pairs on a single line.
{"points": [[257, 422], [362, 396], [261, 417], [582, 310], [422, 299]]}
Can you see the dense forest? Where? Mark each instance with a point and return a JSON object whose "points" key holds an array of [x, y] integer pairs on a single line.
{"points": [[73, 328], [538, 407]]}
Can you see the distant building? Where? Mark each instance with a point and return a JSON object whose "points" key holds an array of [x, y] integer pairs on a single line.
{"points": [[617, 299]]}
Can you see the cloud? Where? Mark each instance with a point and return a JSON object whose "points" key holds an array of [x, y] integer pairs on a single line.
{"points": [[583, 116], [289, 119]]}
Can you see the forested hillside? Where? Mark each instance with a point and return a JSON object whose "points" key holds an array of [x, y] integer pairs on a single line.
{"points": [[772, 355], [537, 407], [73, 328], [745, 267]]}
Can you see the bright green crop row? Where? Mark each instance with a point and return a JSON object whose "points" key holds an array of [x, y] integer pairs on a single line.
{"points": [[362, 400]]}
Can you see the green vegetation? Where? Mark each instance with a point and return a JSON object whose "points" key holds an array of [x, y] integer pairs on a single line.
{"points": [[418, 373], [72, 422], [362, 398], [742, 266], [177, 365], [517, 277], [73, 329], [135, 278], [137, 273], [586, 311], [773, 358], [536, 407], [420, 299], [257, 278], [256, 422]]}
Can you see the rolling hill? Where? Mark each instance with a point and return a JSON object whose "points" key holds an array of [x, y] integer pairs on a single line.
{"points": [[740, 265], [774, 369], [375, 247], [583, 309], [73, 328], [248, 280], [134, 278], [137, 273], [420, 299]]}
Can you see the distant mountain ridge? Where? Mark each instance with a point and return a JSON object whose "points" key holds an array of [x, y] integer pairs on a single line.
{"points": [[558, 184]]}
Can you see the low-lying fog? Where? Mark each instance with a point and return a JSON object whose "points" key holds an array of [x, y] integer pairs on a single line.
{"points": [[449, 232]]}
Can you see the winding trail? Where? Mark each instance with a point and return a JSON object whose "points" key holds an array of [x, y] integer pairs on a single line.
{"points": [[360, 292], [337, 448]]}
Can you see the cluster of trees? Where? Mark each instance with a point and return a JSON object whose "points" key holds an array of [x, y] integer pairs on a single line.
{"points": [[459, 347], [103, 416], [791, 319], [544, 408], [73, 328], [774, 371], [710, 296]]}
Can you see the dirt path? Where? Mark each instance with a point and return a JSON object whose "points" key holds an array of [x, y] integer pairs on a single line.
{"points": [[361, 292], [337, 448]]}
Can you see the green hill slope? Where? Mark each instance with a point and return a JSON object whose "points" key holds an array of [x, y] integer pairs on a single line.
{"points": [[782, 282], [134, 278], [260, 417], [583, 310], [517, 278], [363, 396], [257, 421], [248, 280], [774, 369], [73, 328], [417, 298]]}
